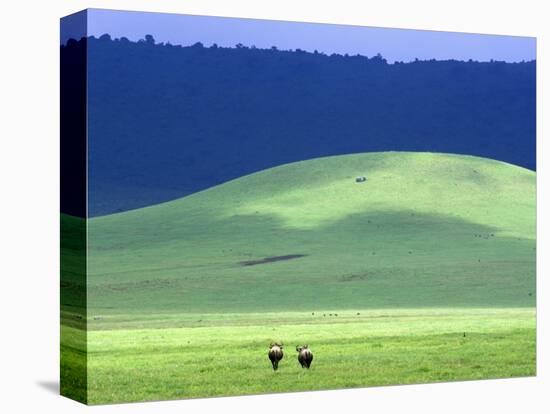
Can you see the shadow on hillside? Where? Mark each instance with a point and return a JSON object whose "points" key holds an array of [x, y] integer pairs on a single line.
{"points": [[455, 262]]}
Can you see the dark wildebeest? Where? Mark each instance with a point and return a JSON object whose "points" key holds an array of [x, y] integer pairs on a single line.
{"points": [[305, 356], [275, 354]]}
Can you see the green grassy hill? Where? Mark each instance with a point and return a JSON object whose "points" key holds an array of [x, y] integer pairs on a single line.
{"points": [[425, 272], [424, 230]]}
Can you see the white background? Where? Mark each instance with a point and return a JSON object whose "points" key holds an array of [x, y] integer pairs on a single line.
{"points": [[29, 193]]}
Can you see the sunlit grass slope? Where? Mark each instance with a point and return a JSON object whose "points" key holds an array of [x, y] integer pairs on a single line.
{"points": [[424, 230]]}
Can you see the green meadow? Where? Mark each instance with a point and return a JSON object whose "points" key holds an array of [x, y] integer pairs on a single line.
{"points": [[424, 272]]}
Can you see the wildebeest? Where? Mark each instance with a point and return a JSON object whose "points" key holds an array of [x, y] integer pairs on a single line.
{"points": [[305, 356], [275, 354], [360, 179]]}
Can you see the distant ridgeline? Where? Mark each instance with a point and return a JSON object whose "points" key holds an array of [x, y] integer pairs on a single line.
{"points": [[166, 121]]}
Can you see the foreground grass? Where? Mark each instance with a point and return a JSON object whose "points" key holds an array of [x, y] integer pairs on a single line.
{"points": [[227, 354]]}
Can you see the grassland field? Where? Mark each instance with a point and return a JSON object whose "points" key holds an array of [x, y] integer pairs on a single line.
{"points": [[429, 266]]}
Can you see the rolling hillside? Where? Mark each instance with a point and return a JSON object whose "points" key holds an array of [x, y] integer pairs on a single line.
{"points": [[424, 230], [424, 272]]}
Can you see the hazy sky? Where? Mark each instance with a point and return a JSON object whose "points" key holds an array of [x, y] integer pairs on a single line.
{"points": [[393, 44]]}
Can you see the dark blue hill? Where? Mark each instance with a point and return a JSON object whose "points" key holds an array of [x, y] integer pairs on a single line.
{"points": [[166, 121]]}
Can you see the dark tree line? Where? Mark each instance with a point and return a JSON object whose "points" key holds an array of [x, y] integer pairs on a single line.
{"points": [[166, 121]]}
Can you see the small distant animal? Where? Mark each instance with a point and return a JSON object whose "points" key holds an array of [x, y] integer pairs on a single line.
{"points": [[360, 179], [275, 354], [305, 356]]}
